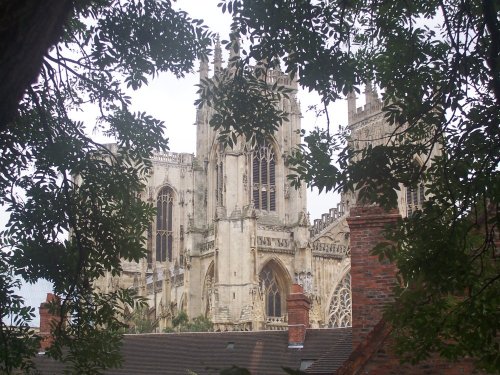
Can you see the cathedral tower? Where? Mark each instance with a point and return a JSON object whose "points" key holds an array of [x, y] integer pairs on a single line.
{"points": [[254, 224]]}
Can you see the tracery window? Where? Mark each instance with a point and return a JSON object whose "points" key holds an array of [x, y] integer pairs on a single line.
{"points": [[340, 313], [415, 197], [271, 291], [164, 224], [264, 178]]}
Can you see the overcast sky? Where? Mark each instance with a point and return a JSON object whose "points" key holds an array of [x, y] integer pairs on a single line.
{"points": [[171, 100]]}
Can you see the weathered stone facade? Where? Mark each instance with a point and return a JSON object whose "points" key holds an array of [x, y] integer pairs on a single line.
{"points": [[232, 235]]}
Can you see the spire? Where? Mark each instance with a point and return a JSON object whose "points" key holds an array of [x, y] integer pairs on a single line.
{"points": [[203, 68], [235, 47], [217, 55]]}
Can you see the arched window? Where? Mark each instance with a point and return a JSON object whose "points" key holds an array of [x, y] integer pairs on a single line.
{"points": [[340, 313], [272, 292], [264, 178], [164, 218], [415, 197]]}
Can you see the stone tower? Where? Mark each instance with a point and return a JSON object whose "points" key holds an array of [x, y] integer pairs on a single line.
{"points": [[368, 126], [251, 227], [231, 235]]}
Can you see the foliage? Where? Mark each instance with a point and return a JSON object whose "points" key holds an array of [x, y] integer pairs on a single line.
{"points": [[139, 320], [437, 64], [55, 180], [18, 342], [181, 323]]}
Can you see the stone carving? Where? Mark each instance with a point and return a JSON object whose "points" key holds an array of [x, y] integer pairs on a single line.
{"points": [[303, 219], [315, 313], [187, 260], [245, 182], [207, 247], [331, 248], [249, 211], [305, 279], [210, 295], [286, 190], [272, 242], [274, 228]]}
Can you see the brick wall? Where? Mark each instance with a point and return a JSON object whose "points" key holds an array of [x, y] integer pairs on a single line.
{"points": [[298, 306], [371, 281], [372, 284]]}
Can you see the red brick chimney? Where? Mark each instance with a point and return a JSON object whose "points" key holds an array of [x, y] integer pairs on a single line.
{"points": [[48, 320], [371, 280], [298, 306]]}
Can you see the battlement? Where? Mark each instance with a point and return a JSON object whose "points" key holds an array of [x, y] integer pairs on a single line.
{"points": [[373, 105], [276, 76], [328, 218], [366, 111]]}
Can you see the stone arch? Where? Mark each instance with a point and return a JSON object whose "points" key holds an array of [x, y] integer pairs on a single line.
{"points": [[275, 283], [165, 218], [339, 308], [166, 185], [208, 291]]}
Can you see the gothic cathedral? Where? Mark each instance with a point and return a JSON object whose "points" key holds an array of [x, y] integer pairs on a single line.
{"points": [[231, 235]]}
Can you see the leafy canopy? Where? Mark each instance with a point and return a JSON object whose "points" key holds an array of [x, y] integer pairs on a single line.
{"points": [[55, 180], [181, 323], [437, 64]]}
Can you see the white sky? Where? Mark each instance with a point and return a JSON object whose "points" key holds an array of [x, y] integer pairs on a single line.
{"points": [[171, 100]]}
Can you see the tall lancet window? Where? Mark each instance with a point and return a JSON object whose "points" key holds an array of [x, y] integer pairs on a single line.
{"points": [[415, 197], [219, 177], [271, 291], [264, 178], [164, 218]]}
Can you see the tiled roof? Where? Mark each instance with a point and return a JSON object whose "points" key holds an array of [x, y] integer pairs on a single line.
{"points": [[335, 356], [261, 352]]}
